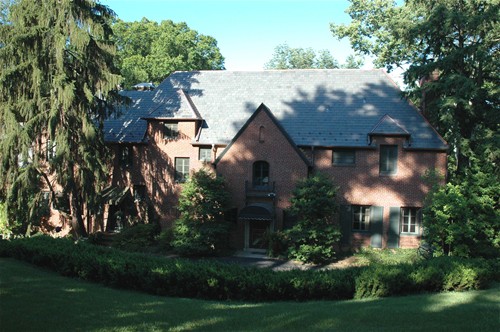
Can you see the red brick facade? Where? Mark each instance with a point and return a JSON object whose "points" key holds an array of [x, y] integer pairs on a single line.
{"points": [[263, 139]]}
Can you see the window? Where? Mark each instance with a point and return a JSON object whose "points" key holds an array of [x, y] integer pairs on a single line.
{"points": [[388, 159], [50, 149], [126, 156], [410, 220], [360, 218], [260, 174], [170, 130], [261, 134], [181, 169], [139, 192], [344, 157], [205, 154]]}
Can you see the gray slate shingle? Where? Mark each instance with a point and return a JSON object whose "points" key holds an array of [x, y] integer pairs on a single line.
{"points": [[339, 107]]}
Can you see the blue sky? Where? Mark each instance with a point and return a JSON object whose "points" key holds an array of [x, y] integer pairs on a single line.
{"points": [[247, 31]]}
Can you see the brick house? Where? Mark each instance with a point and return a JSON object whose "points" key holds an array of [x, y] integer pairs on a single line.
{"points": [[262, 131]]}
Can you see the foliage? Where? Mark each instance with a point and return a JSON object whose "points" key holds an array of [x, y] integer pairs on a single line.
{"points": [[57, 68], [149, 52], [48, 293], [201, 229], [464, 219], [137, 238], [286, 57], [219, 281], [367, 256], [449, 50], [453, 46], [313, 237]]}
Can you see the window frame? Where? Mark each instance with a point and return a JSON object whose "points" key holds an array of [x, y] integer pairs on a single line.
{"points": [[170, 130], [126, 156], [406, 220], [364, 218], [206, 149], [342, 160], [388, 159], [258, 180], [181, 175]]}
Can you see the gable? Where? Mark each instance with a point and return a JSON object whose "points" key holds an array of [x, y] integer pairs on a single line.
{"points": [[274, 139], [332, 108]]}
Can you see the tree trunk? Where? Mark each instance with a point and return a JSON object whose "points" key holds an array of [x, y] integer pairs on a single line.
{"points": [[77, 225]]}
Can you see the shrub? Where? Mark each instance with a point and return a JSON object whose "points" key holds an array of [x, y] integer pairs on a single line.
{"points": [[206, 279], [201, 229], [313, 237], [140, 237]]}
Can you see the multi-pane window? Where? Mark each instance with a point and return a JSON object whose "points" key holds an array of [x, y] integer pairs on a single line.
{"points": [[170, 130], [181, 169], [260, 174], [126, 156], [344, 157], [410, 220], [205, 154], [360, 218], [388, 159]]}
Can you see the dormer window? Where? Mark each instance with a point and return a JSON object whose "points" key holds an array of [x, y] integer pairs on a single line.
{"points": [[170, 130]]}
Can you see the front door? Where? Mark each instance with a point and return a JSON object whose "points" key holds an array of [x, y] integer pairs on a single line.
{"points": [[255, 231]]}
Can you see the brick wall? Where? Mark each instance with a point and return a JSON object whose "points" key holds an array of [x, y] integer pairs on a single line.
{"points": [[262, 140]]}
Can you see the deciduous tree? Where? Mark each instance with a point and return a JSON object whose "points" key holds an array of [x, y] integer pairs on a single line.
{"points": [[149, 52]]}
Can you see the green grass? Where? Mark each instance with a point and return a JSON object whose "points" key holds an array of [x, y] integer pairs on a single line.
{"points": [[32, 299]]}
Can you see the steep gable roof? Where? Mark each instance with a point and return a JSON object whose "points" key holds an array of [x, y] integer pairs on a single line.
{"points": [[388, 126], [263, 108], [339, 107]]}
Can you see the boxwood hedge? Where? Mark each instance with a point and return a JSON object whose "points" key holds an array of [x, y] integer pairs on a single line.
{"points": [[219, 281]]}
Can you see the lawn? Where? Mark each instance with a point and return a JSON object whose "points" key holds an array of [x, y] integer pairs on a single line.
{"points": [[32, 299]]}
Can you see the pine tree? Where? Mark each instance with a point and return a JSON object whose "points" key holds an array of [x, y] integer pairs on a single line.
{"points": [[56, 70]]}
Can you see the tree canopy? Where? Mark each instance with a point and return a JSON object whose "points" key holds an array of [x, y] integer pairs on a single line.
{"points": [[451, 46], [56, 61], [450, 51], [149, 52], [286, 57]]}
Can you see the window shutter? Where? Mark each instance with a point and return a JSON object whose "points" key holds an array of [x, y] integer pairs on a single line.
{"points": [[346, 223], [394, 230], [376, 226]]}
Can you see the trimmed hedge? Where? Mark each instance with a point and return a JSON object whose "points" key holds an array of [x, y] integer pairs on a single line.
{"points": [[218, 281]]}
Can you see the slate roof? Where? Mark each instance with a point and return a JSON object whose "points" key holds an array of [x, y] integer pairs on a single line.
{"points": [[339, 107]]}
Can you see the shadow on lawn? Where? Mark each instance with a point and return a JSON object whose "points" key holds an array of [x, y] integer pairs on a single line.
{"points": [[33, 299]]}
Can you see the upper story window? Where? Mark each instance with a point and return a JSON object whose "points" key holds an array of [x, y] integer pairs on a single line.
{"points": [[181, 169], [410, 220], [388, 159], [170, 130], [205, 154], [126, 156], [50, 149], [360, 218], [261, 134], [260, 174], [344, 157]]}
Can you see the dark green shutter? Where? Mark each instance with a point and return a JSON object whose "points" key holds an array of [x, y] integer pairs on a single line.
{"points": [[394, 218], [346, 223], [376, 226]]}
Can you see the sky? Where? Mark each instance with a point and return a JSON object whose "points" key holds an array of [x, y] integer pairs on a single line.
{"points": [[247, 31]]}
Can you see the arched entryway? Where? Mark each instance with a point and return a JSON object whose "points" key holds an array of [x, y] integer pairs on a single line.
{"points": [[258, 219]]}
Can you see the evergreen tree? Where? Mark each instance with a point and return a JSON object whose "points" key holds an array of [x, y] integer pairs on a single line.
{"points": [[313, 238], [201, 229], [56, 70]]}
